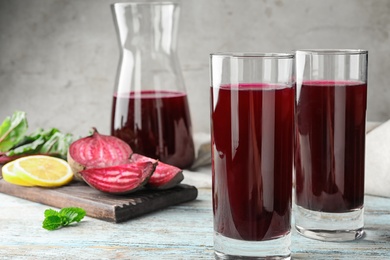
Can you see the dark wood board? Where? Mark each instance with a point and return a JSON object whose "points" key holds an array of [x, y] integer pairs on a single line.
{"points": [[112, 208]]}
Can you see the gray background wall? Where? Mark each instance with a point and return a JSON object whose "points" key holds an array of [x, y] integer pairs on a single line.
{"points": [[58, 58]]}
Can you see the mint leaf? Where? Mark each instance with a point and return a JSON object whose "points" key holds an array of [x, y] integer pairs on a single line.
{"points": [[66, 216], [12, 130], [73, 214], [52, 222], [51, 212]]}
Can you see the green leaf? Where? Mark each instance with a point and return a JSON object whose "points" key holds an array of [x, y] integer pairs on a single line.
{"points": [[30, 138], [73, 214], [51, 212], [12, 130], [29, 148], [32, 144], [66, 216], [15, 143], [52, 222], [50, 142], [65, 221], [58, 144]]}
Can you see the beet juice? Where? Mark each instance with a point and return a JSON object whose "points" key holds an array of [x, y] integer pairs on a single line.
{"points": [[252, 138], [330, 145], [155, 124]]}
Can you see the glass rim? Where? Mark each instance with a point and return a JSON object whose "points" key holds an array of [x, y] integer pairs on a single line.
{"points": [[137, 2], [278, 55], [333, 51]]}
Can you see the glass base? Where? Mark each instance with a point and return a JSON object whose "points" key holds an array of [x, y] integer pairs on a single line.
{"points": [[228, 248], [329, 226]]}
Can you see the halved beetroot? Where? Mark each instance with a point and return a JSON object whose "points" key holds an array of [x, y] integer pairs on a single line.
{"points": [[165, 176], [119, 179], [96, 151]]}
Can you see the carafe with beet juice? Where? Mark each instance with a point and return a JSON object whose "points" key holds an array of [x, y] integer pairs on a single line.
{"points": [[150, 108]]}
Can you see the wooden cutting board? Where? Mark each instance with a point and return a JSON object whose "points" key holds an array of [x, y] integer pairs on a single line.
{"points": [[112, 208]]}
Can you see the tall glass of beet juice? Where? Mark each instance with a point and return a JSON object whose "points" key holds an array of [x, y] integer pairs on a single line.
{"points": [[150, 108], [330, 143], [252, 126]]}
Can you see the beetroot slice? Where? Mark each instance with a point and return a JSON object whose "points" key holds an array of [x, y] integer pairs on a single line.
{"points": [[119, 179], [165, 176]]}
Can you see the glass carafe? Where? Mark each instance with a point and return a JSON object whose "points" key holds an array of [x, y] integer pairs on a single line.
{"points": [[150, 107]]}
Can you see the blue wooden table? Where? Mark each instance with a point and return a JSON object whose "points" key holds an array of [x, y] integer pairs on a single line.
{"points": [[179, 232]]}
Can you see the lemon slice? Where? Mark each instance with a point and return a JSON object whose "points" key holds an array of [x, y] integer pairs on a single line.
{"points": [[42, 170], [11, 177]]}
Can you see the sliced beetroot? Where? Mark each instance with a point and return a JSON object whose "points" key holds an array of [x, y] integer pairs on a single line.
{"points": [[97, 151], [119, 179], [165, 176]]}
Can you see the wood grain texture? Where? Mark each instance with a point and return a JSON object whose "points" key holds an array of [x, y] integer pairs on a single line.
{"points": [[184, 231], [100, 205]]}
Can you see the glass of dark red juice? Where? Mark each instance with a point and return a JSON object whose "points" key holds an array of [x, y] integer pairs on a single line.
{"points": [[252, 126], [330, 143], [150, 108]]}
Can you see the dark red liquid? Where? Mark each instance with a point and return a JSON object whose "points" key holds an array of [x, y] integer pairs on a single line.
{"points": [[331, 122], [155, 124], [252, 151]]}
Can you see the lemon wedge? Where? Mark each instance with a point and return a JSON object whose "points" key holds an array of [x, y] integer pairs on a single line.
{"points": [[42, 170]]}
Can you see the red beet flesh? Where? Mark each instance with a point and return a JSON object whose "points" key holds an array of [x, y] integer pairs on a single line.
{"points": [[119, 179], [165, 176]]}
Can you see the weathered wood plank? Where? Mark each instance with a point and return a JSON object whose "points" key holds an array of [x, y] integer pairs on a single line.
{"points": [[183, 231]]}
